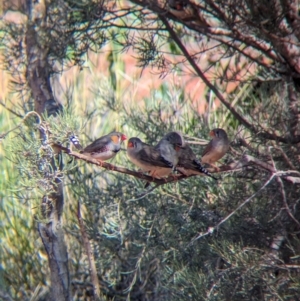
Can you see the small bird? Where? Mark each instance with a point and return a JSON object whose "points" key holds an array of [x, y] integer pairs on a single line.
{"points": [[105, 147], [169, 148], [216, 148], [186, 11], [147, 158], [188, 163]]}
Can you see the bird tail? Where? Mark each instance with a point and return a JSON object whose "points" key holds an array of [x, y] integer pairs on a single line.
{"points": [[204, 170], [75, 141]]}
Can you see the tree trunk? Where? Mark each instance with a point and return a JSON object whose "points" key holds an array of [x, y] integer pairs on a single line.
{"points": [[52, 234]]}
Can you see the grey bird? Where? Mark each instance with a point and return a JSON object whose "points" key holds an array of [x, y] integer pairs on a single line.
{"points": [[106, 147], [169, 148], [216, 148]]}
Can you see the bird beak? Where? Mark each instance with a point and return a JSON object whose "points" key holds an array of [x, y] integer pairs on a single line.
{"points": [[130, 145], [212, 134], [123, 137]]}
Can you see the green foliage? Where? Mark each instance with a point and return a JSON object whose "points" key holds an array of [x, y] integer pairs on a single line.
{"points": [[154, 245], [144, 244]]}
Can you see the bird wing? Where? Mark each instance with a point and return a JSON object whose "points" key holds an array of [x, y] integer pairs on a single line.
{"points": [[151, 156], [207, 148], [97, 146]]}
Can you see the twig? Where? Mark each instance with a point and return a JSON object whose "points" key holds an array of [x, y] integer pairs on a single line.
{"points": [[203, 142], [10, 110], [2, 136], [283, 267], [279, 180], [287, 160], [143, 194], [247, 159], [140, 257], [250, 148], [90, 255]]}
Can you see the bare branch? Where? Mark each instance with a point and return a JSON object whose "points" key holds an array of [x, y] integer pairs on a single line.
{"points": [[120, 169], [282, 191]]}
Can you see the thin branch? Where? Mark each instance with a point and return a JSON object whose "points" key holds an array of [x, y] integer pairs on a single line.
{"points": [[282, 190], [2, 136], [139, 260], [143, 194], [286, 158], [10, 110], [293, 110], [246, 160], [279, 180], [248, 146], [234, 166], [90, 255], [283, 267]]}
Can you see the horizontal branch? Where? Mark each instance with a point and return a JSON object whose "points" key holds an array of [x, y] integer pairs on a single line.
{"points": [[121, 169], [245, 161]]}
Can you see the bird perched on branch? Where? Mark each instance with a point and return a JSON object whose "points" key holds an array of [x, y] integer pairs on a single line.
{"points": [[169, 148], [105, 147], [188, 163], [186, 11], [147, 158], [216, 148], [160, 160]]}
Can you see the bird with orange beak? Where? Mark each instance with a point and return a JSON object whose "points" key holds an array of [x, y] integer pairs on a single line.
{"points": [[105, 147], [216, 148]]}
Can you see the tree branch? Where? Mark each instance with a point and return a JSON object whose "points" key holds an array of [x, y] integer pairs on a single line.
{"points": [[123, 170], [237, 165], [38, 73]]}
